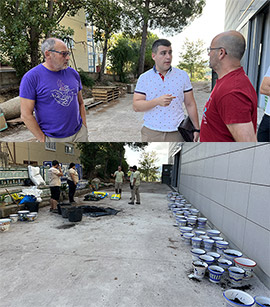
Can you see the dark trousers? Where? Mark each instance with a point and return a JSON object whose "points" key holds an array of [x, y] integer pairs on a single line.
{"points": [[264, 129], [71, 190]]}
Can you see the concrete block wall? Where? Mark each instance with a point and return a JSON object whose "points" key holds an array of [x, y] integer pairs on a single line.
{"points": [[230, 184]]}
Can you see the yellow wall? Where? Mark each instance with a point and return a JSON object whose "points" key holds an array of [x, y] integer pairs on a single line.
{"points": [[36, 152], [77, 23]]}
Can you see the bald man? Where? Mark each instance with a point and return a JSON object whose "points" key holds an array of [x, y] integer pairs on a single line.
{"points": [[53, 91], [230, 114]]}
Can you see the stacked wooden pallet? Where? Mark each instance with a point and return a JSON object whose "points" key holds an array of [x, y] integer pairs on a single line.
{"points": [[105, 93]]}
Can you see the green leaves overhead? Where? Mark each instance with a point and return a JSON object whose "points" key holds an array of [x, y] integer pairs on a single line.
{"points": [[24, 23]]}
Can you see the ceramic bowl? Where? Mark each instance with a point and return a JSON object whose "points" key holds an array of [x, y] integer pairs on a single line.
{"points": [[221, 246], [199, 233], [181, 222], [199, 269], [262, 301], [208, 259], [208, 244], [213, 254], [4, 224], [236, 275], [30, 217], [184, 229], [14, 218], [213, 233], [224, 263], [215, 273], [187, 237], [22, 215], [235, 298], [204, 237], [202, 222], [195, 211], [191, 221], [196, 242], [230, 254], [247, 264], [196, 252]]}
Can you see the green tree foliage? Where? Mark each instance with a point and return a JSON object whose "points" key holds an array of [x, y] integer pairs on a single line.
{"points": [[169, 16], [24, 23], [102, 159], [191, 60], [124, 54], [147, 166], [105, 15]]}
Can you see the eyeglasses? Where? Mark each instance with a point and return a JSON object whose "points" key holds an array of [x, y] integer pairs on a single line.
{"points": [[64, 53], [209, 49]]}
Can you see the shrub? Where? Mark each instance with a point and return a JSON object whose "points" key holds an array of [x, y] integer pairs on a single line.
{"points": [[86, 79]]}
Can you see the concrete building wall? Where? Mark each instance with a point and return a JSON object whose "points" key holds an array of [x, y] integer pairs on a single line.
{"points": [[38, 153], [230, 185]]}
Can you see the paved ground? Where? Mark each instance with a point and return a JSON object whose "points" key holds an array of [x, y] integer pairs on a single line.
{"points": [[111, 122], [115, 121], [135, 258]]}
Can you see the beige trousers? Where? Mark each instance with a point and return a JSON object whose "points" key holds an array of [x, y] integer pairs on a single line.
{"points": [[80, 136], [135, 193], [149, 135]]}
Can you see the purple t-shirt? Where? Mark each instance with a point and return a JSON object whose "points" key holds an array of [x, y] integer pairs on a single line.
{"points": [[56, 99]]}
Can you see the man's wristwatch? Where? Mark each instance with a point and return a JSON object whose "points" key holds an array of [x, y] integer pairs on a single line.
{"points": [[197, 130]]}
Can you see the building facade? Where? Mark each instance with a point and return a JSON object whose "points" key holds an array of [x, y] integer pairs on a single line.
{"points": [[37, 154], [252, 19], [86, 54], [230, 185]]}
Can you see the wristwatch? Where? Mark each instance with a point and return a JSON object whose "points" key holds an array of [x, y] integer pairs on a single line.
{"points": [[197, 130]]}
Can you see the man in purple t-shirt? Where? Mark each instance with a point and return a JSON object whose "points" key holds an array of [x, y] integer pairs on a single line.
{"points": [[53, 91]]}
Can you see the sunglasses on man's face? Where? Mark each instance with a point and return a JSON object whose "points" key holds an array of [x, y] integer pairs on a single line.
{"points": [[64, 53]]}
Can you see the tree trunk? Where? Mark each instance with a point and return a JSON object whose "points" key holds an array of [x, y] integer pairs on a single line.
{"points": [[143, 41], [34, 46], [105, 49]]}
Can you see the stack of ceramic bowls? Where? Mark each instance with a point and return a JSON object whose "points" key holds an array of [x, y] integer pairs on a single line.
{"points": [[187, 237], [213, 233], [202, 222], [196, 242], [184, 230], [199, 233], [221, 246], [14, 218], [23, 215], [196, 252], [207, 258], [4, 224], [208, 244]]}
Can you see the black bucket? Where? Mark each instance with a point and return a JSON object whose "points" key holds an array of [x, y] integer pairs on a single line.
{"points": [[65, 211], [75, 214], [32, 206], [60, 205]]}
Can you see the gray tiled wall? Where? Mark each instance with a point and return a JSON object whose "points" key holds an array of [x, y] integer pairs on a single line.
{"points": [[230, 184]]}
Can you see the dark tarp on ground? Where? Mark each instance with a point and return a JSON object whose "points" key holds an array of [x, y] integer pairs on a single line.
{"points": [[97, 211]]}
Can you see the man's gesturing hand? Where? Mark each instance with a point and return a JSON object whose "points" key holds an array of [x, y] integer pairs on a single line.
{"points": [[165, 100]]}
